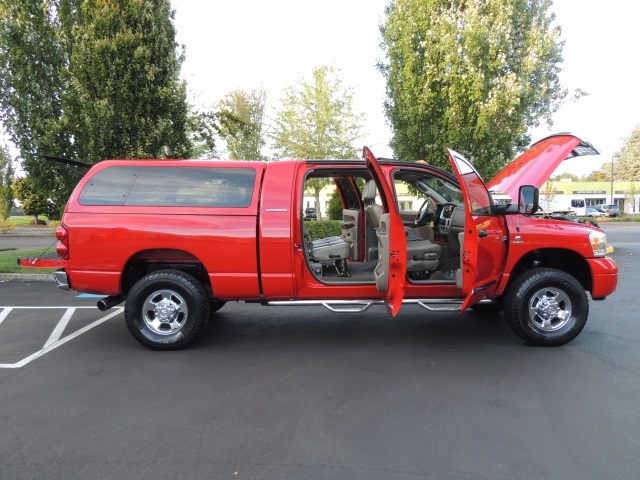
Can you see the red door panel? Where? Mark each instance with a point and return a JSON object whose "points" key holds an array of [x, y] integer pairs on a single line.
{"points": [[393, 267]]}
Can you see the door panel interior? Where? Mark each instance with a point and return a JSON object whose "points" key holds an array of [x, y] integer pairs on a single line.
{"points": [[381, 272], [350, 227]]}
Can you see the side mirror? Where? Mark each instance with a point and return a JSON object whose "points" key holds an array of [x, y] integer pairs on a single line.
{"points": [[528, 200]]}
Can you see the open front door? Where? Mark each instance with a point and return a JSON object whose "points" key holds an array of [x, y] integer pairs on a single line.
{"points": [[483, 247], [392, 244]]}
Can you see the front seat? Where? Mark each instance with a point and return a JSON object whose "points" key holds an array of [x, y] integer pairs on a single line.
{"points": [[372, 213], [421, 254], [371, 209]]}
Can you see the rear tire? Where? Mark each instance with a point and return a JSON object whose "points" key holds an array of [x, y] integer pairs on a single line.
{"points": [[166, 310], [546, 307]]}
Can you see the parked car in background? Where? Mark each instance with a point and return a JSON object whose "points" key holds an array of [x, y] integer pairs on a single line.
{"points": [[594, 212], [310, 213], [612, 210]]}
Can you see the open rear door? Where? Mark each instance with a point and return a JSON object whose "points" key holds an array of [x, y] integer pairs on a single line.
{"points": [[392, 244], [482, 248]]}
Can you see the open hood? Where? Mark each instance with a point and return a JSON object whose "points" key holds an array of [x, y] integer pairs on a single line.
{"points": [[535, 166]]}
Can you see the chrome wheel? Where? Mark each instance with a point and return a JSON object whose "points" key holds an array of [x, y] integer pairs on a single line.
{"points": [[164, 312], [549, 309], [546, 306]]}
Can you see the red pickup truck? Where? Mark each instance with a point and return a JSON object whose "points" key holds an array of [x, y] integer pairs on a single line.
{"points": [[177, 239]]}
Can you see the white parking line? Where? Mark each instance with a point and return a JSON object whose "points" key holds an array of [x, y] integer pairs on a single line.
{"points": [[62, 324], [49, 346], [4, 313]]}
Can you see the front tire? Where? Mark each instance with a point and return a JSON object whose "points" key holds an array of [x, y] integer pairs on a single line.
{"points": [[166, 310], [546, 307]]}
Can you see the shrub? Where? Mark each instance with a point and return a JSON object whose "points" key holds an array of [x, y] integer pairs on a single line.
{"points": [[53, 225], [322, 229], [334, 210], [6, 226]]}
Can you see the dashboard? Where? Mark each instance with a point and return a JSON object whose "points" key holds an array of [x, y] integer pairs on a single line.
{"points": [[451, 218]]}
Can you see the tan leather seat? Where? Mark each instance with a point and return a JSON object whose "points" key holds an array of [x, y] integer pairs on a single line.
{"points": [[422, 255], [371, 209]]}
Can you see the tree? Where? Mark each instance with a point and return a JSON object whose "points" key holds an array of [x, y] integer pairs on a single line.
{"points": [[570, 176], [473, 74], [602, 175], [88, 80], [548, 195], [33, 81], [241, 117], [317, 121], [33, 201], [626, 164], [204, 129], [6, 179]]}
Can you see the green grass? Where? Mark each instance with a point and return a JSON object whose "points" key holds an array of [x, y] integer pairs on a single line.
{"points": [[25, 220], [9, 262]]}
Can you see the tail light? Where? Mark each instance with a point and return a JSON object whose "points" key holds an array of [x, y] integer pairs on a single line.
{"points": [[62, 234]]}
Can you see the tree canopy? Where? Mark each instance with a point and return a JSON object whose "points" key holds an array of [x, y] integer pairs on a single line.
{"points": [[6, 180], [34, 202], [242, 123], [475, 75], [627, 164], [317, 121], [89, 80]]}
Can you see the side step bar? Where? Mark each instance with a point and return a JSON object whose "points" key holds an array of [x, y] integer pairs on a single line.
{"points": [[357, 306]]}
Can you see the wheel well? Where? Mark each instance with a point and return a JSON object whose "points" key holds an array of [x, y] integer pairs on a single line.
{"points": [[566, 260], [148, 261]]}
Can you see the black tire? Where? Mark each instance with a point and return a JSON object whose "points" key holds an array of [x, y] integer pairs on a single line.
{"points": [[166, 310], [546, 307]]}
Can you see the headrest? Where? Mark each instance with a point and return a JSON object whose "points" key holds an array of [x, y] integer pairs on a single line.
{"points": [[369, 191]]}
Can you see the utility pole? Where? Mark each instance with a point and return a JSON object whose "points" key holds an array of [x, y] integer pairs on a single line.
{"points": [[613, 157]]}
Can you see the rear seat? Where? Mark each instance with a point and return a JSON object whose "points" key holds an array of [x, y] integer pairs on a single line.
{"points": [[331, 251]]}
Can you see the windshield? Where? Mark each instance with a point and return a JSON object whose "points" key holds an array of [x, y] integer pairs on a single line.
{"points": [[424, 185]]}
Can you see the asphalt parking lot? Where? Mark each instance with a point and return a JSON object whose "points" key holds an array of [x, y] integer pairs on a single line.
{"points": [[303, 393]]}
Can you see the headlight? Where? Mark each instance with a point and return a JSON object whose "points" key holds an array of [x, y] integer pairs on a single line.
{"points": [[598, 243]]}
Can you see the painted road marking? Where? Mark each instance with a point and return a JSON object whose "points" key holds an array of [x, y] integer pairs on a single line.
{"points": [[4, 313], [62, 324], [54, 342]]}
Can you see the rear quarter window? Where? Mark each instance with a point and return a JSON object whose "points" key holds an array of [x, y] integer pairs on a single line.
{"points": [[170, 187]]}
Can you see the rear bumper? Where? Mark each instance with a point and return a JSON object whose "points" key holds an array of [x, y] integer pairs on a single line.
{"points": [[604, 272]]}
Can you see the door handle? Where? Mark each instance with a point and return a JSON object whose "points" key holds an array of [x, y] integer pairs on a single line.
{"points": [[482, 233]]}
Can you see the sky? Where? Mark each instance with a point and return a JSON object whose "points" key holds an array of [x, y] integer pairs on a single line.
{"points": [[246, 44]]}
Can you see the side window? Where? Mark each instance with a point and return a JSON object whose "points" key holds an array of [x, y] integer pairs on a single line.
{"points": [[406, 195], [479, 198], [170, 187], [330, 186], [351, 193]]}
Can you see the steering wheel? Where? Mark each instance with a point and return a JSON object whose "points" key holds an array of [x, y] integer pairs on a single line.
{"points": [[424, 215]]}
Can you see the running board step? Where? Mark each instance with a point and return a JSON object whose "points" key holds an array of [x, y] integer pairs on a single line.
{"points": [[358, 306]]}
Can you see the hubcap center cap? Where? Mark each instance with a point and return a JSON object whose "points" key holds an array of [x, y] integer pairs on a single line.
{"points": [[166, 311], [548, 308]]}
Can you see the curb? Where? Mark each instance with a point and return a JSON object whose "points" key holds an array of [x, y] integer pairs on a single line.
{"points": [[26, 277]]}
